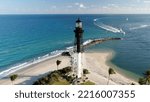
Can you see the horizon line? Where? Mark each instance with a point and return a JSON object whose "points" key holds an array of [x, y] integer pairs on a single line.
{"points": [[77, 14]]}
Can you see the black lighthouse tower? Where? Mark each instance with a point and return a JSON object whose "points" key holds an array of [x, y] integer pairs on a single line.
{"points": [[78, 37]]}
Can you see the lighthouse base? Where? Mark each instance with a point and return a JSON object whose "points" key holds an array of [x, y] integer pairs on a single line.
{"points": [[79, 65]]}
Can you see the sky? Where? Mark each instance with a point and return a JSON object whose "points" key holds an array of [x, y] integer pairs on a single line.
{"points": [[74, 6]]}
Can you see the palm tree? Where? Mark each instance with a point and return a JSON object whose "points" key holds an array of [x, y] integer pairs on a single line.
{"points": [[147, 77], [110, 71], [58, 63], [13, 77], [142, 81]]}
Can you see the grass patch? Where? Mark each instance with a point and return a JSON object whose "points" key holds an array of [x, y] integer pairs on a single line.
{"points": [[62, 82], [88, 83]]}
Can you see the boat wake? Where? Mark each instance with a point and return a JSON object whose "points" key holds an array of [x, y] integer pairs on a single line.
{"points": [[107, 27], [139, 27]]}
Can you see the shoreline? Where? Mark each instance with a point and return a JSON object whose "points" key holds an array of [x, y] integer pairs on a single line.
{"points": [[105, 64], [28, 63], [30, 74], [122, 71]]}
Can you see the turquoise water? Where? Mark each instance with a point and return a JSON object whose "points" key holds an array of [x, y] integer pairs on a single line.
{"points": [[26, 39]]}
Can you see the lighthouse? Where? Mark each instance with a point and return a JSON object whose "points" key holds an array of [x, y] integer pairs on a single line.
{"points": [[78, 48]]}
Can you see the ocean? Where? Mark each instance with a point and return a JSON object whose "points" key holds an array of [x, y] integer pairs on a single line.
{"points": [[29, 39]]}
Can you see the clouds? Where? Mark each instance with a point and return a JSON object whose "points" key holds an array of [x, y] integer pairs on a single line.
{"points": [[80, 5], [76, 6], [146, 1], [113, 5]]}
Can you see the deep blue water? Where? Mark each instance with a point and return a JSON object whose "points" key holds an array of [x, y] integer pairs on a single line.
{"points": [[27, 37]]}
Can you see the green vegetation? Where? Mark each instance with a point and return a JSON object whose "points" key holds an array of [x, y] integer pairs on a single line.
{"points": [[85, 71], [13, 77], [132, 84], [59, 77], [146, 79], [62, 82], [65, 54], [62, 77], [88, 83], [58, 62], [110, 71]]}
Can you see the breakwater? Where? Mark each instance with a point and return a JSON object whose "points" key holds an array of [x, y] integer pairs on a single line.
{"points": [[98, 41]]}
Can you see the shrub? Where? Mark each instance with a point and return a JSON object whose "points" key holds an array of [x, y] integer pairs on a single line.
{"points": [[85, 71], [56, 77], [65, 54], [13, 77], [142, 81]]}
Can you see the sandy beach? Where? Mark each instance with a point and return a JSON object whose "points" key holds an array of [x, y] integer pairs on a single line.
{"points": [[95, 62], [30, 74]]}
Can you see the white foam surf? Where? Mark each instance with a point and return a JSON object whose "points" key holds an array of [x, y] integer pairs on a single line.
{"points": [[29, 63]]}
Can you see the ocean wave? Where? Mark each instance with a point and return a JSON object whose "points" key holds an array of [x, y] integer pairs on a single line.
{"points": [[139, 27], [87, 42], [2, 52]]}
